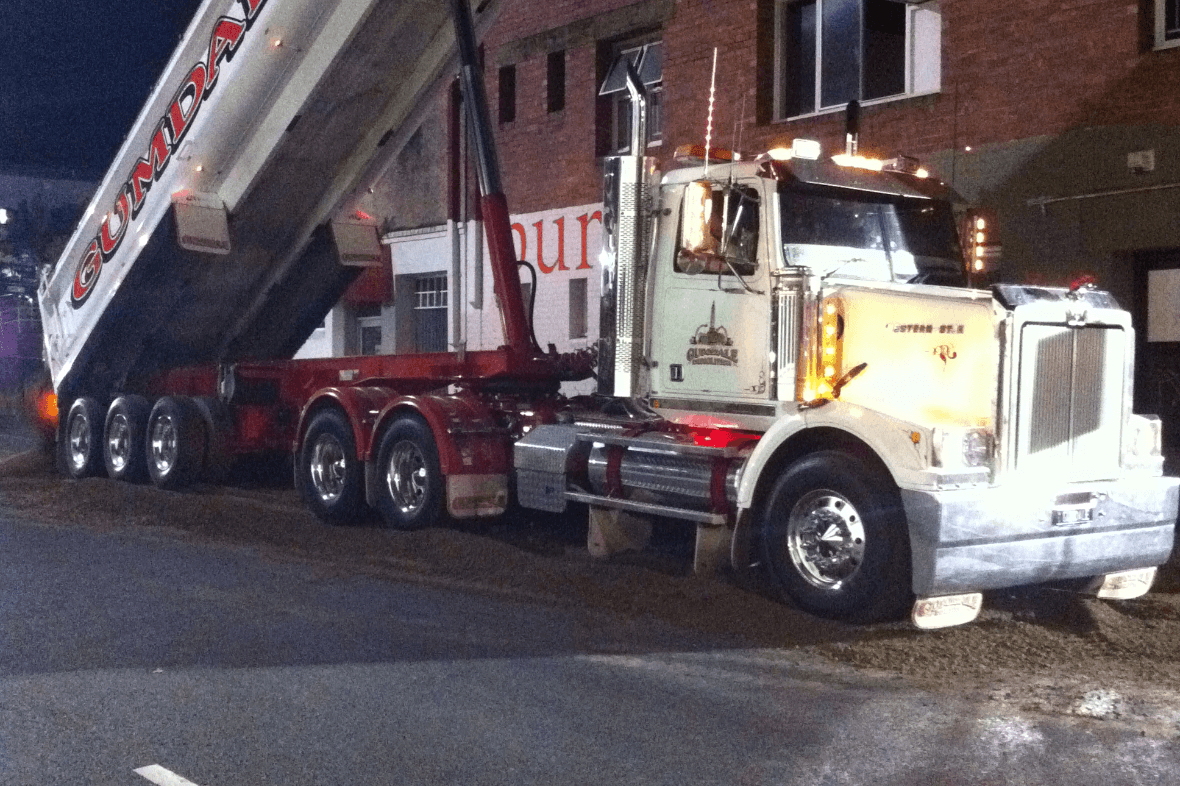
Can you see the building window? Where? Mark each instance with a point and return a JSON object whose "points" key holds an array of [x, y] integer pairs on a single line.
{"points": [[578, 301], [830, 52], [370, 336], [1167, 23], [507, 93], [555, 81], [430, 313], [648, 61]]}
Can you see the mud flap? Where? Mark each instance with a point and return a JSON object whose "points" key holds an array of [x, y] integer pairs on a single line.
{"points": [[615, 531], [472, 496], [713, 546]]}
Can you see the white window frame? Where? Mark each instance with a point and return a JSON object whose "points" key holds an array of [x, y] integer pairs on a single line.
{"points": [[1165, 39], [923, 62]]}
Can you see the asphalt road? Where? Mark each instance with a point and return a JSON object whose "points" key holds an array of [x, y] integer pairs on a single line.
{"points": [[120, 650]]}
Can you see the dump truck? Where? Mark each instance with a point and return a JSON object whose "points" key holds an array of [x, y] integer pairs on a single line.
{"points": [[792, 363]]}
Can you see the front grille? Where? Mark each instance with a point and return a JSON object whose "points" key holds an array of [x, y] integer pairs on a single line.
{"points": [[1070, 400]]}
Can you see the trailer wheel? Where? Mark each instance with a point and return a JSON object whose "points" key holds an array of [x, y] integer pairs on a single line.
{"points": [[175, 443], [330, 475], [834, 539], [124, 451], [410, 493], [83, 438]]}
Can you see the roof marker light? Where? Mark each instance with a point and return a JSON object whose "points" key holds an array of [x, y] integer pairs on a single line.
{"points": [[806, 148], [858, 162]]}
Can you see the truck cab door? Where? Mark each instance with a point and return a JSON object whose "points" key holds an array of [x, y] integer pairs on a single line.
{"points": [[710, 310]]}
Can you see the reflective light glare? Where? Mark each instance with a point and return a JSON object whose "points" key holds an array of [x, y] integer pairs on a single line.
{"points": [[779, 154], [922, 172], [3, 216], [143, 240]]}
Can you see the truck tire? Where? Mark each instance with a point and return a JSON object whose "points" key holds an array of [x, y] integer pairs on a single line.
{"points": [[82, 444], [329, 473], [124, 452], [218, 421], [834, 539], [175, 443], [410, 484]]}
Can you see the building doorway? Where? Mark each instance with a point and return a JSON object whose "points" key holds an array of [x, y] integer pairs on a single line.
{"points": [[1156, 315], [430, 313]]}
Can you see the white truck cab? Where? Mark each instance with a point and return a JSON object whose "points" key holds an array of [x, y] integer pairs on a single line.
{"points": [[818, 374]]}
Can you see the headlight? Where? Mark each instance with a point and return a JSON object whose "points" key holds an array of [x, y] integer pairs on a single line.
{"points": [[958, 448]]}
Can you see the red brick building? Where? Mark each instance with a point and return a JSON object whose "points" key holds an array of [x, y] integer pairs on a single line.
{"points": [[1059, 117]]}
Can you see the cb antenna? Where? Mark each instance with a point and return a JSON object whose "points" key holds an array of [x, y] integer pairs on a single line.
{"points": [[709, 122]]}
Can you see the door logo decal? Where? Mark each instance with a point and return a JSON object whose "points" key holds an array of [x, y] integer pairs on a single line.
{"points": [[712, 346]]}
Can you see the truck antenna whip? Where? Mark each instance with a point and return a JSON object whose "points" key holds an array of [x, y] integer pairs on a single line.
{"points": [[709, 122]]}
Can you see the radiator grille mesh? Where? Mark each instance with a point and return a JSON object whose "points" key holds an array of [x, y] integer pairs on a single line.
{"points": [[1069, 416]]}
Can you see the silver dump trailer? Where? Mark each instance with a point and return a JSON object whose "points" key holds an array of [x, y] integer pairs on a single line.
{"points": [[226, 228]]}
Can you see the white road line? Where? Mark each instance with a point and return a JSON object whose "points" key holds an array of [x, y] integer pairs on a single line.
{"points": [[162, 777]]}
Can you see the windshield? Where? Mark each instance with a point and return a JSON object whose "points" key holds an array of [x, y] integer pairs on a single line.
{"points": [[871, 236]]}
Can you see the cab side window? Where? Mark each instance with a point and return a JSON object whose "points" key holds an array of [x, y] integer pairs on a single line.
{"points": [[718, 230]]}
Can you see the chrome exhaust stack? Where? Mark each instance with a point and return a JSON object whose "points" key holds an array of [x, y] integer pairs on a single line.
{"points": [[626, 206]]}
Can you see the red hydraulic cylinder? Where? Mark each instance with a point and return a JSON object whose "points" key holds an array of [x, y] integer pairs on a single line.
{"points": [[498, 226]]}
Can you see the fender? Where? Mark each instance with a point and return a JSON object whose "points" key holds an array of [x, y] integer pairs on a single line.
{"points": [[468, 440], [360, 405], [891, 439]]}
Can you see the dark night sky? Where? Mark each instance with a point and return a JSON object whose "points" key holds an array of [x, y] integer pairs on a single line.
{"points": [[72, 81]]}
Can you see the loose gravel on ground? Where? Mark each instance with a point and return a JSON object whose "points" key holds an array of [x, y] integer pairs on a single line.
{"points": [[1036, 649]]}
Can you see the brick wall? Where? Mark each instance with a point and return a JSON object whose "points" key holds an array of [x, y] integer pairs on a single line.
{"points": [[1011, 69]]}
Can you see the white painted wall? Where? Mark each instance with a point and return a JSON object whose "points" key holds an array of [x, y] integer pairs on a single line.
{"points": [[561, 244]]}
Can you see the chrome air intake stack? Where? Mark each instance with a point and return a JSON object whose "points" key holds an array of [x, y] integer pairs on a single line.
{"points": [[626, 207]]}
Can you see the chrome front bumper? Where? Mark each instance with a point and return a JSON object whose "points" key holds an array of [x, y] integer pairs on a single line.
{"points": [[967, 540]]}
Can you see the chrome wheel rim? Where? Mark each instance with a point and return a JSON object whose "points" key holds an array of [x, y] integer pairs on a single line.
{"points": [[79, 442], [405, 476], [119, 442], [164, 443], [826, 539], [328, 465]]}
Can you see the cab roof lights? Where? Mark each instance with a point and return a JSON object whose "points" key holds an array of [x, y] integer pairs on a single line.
{"points": [[695, 154], [858, 162], [808, 149], [905, 164]]}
